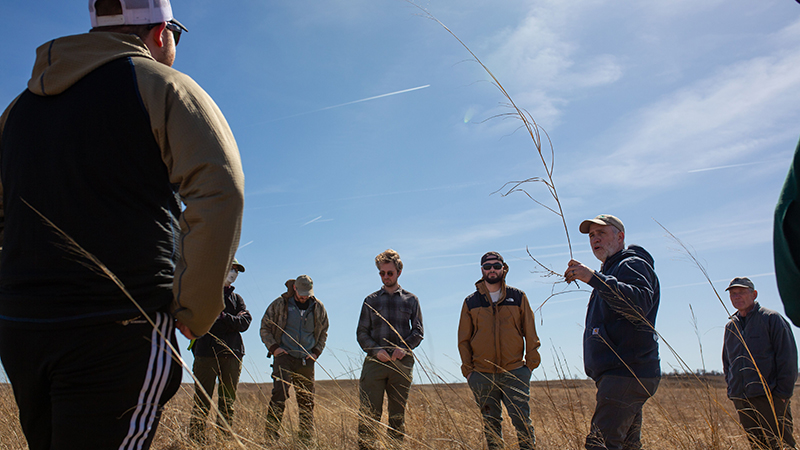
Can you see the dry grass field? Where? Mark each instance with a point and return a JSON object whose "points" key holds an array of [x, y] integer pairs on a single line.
{"points": [[686, 414]]}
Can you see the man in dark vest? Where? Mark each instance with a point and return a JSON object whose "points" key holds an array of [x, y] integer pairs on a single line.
{"points": [[101, 262], [294, 329]]}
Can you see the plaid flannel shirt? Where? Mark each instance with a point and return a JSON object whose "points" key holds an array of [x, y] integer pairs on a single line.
{"points": [[389, 321]]}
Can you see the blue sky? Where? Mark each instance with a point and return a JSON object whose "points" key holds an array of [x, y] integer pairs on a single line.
{"points": [[680, 112]]}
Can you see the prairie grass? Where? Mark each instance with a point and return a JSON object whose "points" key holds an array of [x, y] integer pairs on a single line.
{"points": [[687, 412]]}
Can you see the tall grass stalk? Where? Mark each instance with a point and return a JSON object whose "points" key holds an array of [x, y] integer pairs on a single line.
{"points": [[534, 130]]}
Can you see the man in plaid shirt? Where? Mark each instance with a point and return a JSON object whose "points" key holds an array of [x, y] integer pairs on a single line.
{"points": [[389, 327]]}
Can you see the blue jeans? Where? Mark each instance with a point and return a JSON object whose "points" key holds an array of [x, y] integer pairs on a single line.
{"points": [[513, 389]]}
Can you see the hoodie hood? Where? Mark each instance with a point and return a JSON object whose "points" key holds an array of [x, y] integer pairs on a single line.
{"points": [[631, 250], [61, 62], [640, 252]]}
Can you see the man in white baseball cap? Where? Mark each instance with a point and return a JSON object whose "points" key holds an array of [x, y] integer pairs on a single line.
{"points": [[106, 142]]}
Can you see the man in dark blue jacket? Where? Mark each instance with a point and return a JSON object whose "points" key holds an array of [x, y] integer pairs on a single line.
{"points": [[759, 358], [218, 355], [620, 348]]}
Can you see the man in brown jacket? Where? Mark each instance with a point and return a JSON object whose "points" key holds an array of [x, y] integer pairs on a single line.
{"points": [[498, 345]]}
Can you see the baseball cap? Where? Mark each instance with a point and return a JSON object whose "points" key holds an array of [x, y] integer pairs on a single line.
{"points": [[304, 285], [238, 266], [741, 282], [135, 12], [602, 219], [490, 256]]}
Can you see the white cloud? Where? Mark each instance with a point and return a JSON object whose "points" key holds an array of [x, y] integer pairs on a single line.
{"points": [[789, 34], [721, 119], [537, 60]]}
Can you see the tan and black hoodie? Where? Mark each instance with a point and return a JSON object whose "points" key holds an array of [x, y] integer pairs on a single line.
{"points": [[132, 161], [497, 337]]}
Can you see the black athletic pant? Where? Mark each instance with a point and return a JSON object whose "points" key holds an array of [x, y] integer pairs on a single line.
{"points": [[96, 387]]}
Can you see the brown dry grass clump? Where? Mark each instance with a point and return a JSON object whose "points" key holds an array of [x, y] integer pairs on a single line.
{"points": [[686, 413]]}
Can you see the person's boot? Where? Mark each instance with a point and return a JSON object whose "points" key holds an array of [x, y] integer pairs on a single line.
{"points": [[272, 430], [273, 425], [197, 432], [306, 438], [222, 430]]}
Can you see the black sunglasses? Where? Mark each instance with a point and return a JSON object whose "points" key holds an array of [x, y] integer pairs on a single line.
{"points": [[495, 266], [176, 31], [173, 26]]}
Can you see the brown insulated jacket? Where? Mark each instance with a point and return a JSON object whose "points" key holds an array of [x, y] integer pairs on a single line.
{"points": [[497, 337]]}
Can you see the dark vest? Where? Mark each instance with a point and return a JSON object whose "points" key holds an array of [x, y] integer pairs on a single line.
{"points": [[87, 160]]}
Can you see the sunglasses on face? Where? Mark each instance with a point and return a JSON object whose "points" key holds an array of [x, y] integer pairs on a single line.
{"points": [[495, 266], [388, 274], [176, 31]]}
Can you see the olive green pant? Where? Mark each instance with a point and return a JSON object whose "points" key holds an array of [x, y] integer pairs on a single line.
{"points": [[392, 378], [288, 371]]}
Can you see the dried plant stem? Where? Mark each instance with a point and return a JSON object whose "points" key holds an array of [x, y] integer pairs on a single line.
{"points": [[533, 129]]}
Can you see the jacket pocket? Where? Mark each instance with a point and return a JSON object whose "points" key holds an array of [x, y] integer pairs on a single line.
{"points": [[600, 352]]}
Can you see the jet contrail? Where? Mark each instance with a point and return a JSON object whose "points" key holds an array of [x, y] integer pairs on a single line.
{"points": [[351, 103], [725, 167], [311, 221]]}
